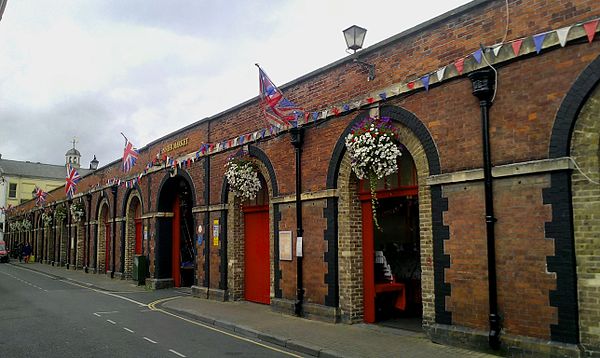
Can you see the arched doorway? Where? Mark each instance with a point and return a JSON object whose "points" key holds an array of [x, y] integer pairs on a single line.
{"points": [[348, 245], [103, 242], [133, 231], [257, 277], [176, 252], [391, 252]]}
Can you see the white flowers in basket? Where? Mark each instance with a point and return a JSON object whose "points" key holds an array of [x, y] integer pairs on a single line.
{"points": [[373, 153], [77, 211], [46, 219], [242, 176]]}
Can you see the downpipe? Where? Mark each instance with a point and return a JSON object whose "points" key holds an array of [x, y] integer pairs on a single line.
{"points": [[483, 88], [297, 140]]}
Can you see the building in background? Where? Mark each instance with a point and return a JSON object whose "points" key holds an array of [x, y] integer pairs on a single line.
{"points": [[520, 275]]}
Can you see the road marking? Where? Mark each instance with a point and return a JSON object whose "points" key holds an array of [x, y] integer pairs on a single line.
{"points": [[176, 353], [111, 321], [96, 314], [128, 330], [149, 340], [152, 306]]}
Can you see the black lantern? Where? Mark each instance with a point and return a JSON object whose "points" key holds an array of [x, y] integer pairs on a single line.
{"points": [[355, 36], [94, 163]]}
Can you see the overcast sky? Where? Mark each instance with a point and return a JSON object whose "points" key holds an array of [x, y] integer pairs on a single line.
{"points": [[94, 68]]}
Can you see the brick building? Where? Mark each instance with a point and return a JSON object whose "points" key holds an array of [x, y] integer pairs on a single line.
{"points": [[541, 279]]}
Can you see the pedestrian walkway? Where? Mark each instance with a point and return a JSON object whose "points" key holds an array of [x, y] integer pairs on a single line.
{"points": [[309, 337]]}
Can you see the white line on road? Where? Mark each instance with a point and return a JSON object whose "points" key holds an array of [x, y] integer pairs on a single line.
{"points": [[128, 330], [111, 321], [95, 314], [149, 340], [176, 353]]}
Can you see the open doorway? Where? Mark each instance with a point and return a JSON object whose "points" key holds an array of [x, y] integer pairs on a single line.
{"points": [[391, 252], [177, 255]]}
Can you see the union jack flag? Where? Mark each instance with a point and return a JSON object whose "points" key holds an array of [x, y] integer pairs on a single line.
{"points": [[278, 110], [72, 179], [130, 156], [40, 196]]}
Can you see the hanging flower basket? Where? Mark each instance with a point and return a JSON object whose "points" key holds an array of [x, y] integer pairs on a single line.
{"points": [[242, 176], [26, 225], [373, 153], [77, 211], [46, 219], [60, 214]]}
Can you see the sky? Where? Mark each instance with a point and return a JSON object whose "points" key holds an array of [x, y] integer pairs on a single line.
{"points": [[91, 69]]}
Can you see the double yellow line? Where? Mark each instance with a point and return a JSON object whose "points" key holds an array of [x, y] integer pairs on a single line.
{"points": [[153, 306]]}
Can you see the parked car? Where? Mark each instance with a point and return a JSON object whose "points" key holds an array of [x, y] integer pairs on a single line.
{"points": [[3, 252]]}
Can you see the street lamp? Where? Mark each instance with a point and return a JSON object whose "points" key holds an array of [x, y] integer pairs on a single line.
{"points": [[94, 163], [355, 36]]}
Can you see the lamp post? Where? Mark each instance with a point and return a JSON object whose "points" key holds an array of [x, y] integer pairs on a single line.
{"points": [[355, 36], [297, 139]]}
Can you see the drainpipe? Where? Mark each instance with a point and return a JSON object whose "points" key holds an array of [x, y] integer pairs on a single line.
{"points": [[86, 255], [114, 230], [483, 88], [297, 141]]}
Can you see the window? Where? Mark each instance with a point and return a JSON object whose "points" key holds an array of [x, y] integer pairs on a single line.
{"points": [[12, 190]]}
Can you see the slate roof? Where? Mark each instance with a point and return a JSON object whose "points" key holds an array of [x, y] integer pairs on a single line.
{"points": [[36, 170]]}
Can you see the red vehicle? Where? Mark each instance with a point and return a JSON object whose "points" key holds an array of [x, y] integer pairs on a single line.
{"points": [[3, 252]]}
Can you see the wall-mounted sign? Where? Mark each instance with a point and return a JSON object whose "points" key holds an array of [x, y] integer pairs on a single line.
{"points": [[216, 232], [299, 246], [285, 245], [174, 145], [200, 229]]}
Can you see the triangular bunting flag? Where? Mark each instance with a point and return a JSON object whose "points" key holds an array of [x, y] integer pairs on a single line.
{"points": [[440, 73], [425, 80], [516, 46], [538, 40], [460, 65], [370, 100], [477, 55], [410, 85], [562, 35], [383, 96], [315, 116], [590, 29], [497, 49], [336, 111]]}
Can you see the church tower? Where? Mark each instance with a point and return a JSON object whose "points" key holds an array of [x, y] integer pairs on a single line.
{"points": [[73, 156]]}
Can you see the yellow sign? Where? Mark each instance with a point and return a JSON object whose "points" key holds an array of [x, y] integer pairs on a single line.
{"points": [[174, 145], [216, 232]]}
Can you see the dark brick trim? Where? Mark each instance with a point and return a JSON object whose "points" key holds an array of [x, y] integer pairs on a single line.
{"points": [[277, 268], [563, 263], [441, 261], [398, 115], [223, 252], [331, 256], [560, 140]]}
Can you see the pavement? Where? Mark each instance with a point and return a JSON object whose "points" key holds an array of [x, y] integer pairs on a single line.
{"points": [[255, 321]]}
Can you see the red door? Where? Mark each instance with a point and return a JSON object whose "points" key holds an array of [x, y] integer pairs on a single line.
{"points": [[175, 259], [368, 263], [107, 246], [256, 254]]}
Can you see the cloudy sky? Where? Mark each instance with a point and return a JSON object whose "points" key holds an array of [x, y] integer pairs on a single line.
{"points": [[94, 68]]}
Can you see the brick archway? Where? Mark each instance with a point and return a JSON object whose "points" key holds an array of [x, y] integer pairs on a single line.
{"points": [[235, 231], [133, 213], [414, 136], [103, 217], [585, 150]]}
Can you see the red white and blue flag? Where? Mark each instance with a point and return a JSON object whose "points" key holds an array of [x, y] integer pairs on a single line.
{"points": [[40, 196], [72, 179], [278, 110], [130, 155]]}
